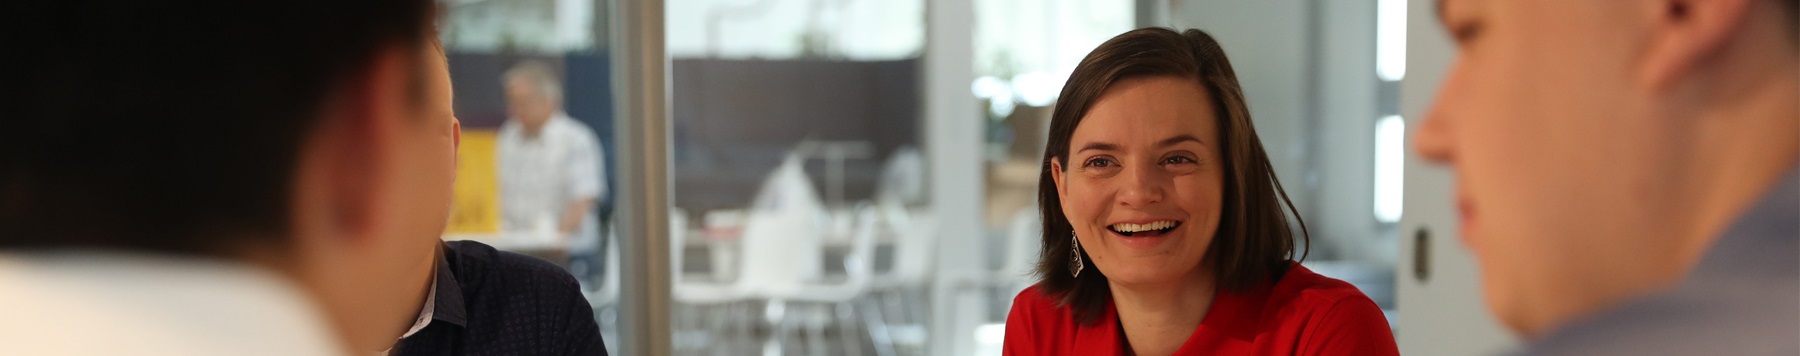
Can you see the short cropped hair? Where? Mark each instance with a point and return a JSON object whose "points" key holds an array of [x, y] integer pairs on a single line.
{"points": [[173, 126], [538, 74]]}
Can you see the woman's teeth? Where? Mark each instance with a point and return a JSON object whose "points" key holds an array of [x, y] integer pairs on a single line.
{"points": [[1128, 228]]}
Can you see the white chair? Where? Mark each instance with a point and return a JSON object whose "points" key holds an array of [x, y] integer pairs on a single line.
{"points": [[607, 292], [841, 297], [781, 251], [1023, 244], [1015, 273], [704, 299], [902, 289], [606, 297]]}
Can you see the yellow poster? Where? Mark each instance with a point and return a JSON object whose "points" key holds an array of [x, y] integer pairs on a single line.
{"points": [[475, 207]]}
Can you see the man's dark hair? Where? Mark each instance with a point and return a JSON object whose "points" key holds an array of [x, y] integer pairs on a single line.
{"points": [[172, 126], [1253, 244]]}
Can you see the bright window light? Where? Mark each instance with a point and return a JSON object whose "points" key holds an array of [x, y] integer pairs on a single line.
{"points": [[1037, 88], [999, 94], [1390, 156], [989, 87], [1390, 39], [990, 337]]}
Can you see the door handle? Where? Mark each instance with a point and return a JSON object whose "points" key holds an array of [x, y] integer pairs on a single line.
{"points": [[1422, 254]]}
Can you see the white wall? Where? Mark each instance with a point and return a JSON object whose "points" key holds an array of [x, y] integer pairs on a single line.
{"points": [[1311, 86], [1342, 206], [1266, 41]]}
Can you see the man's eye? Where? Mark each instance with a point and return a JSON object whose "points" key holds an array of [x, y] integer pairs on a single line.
{"points": [[1466, 32]]}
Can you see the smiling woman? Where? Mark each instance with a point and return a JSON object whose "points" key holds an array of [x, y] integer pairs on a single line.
{"points": [[1164, 228]]}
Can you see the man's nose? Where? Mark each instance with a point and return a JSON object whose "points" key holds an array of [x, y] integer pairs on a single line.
{"points": [[1435, 140]]}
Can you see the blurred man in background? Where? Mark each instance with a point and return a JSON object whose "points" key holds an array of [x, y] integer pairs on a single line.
{"points": [[550, 168], [1629, 171], [482, 301]]}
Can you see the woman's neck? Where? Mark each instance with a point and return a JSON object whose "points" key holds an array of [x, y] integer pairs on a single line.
{"points": [[1158, 318]]}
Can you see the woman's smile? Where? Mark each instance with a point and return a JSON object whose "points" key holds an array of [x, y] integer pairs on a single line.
{"points": [[1144, 234]]}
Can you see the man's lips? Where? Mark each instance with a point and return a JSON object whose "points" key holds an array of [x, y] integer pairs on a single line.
{"points": [[1465, 216]]}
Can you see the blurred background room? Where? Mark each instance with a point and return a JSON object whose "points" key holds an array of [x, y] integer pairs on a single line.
{"points": [[858, 177]]}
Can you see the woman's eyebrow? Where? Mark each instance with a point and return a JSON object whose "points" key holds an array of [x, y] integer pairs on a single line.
{"points": [[1179, 139], [1103, 146]]}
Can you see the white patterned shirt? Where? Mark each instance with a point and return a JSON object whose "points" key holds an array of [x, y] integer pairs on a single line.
{"points": [[541, 174]]}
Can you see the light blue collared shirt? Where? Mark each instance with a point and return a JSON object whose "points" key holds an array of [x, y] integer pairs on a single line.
{"points": [[1742, 299]]}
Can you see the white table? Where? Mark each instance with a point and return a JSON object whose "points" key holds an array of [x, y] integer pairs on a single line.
{"points": [[522, 241]]}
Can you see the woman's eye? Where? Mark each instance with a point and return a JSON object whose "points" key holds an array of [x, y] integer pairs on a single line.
{"points": [[1100, 163], [1178, 160]]}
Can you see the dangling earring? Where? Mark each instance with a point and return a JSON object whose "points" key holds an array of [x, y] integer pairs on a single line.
{"points": [[1075, 264]]}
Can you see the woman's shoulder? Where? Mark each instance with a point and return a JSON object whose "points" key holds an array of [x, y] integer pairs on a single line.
{"points": [[1340, 318], [1036, 311], [1307, 295], [1037, 325], [1304, 297], [1302, 285], [1035, 307]]}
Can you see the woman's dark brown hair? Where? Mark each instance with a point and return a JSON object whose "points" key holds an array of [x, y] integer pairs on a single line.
{"points": [[1253, 244]]}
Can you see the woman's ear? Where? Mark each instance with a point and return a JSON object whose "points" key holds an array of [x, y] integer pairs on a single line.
{"points": [[1058, 175]]}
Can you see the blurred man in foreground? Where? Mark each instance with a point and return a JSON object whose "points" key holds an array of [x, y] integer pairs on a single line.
{"points": [[1629, 171], [221, 178]]}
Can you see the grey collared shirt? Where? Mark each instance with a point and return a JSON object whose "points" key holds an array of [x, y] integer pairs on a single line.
{"points": [[1742, 299]]}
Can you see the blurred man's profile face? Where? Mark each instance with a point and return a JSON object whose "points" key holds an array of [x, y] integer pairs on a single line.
{"points": [[528, 103], [375, 195], [430, 154], [1555, 147], [422, 173]]}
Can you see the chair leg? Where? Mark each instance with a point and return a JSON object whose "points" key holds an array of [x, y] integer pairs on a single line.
{"points": [[874, 322], [775, 313], [718, 333], [747, 325], [845, 320], [815, 325]]}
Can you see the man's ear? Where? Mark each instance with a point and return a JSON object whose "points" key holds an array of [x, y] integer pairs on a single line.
{"points": [[357, 142], [1684, 33], [455, 147]]}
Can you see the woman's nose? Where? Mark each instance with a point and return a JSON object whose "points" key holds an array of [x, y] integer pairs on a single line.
{"points": [[1143, 186]]}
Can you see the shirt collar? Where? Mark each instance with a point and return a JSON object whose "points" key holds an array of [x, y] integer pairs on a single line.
{"points": [[1759, 243], [448, 303], [1232, 316], [427, 309]]}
